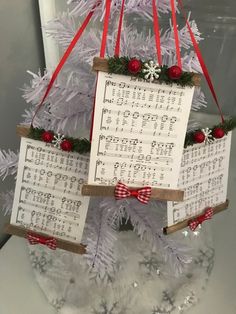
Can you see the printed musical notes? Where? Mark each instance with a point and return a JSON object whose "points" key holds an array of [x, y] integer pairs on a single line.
{"points": [[203, 177], [138, 132], [48, 191]]}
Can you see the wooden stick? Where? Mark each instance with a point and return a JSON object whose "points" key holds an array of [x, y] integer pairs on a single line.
{"points": [[100, 64], [184, 224], [108, 190], [61, 244], [23, 130]]}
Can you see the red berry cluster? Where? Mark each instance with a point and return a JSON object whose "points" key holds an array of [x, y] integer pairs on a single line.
{"points": [[199, 136], [174, 72], [134, 66], [48, 136]]}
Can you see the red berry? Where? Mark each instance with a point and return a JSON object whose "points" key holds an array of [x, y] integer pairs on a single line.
{"points": [[134, 66], [47, 136], [199, 137], [174, 72], [66, 145], [218, 133]]}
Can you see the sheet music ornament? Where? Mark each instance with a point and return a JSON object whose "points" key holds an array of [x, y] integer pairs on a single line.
{"points": [[145, 163]]}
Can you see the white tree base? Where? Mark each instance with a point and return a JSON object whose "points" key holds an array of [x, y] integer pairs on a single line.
{"points": [[143, 285]]}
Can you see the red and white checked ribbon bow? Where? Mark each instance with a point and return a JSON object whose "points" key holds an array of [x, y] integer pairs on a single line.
{"points": [[194, 223], [33, 239], [142, 194]]}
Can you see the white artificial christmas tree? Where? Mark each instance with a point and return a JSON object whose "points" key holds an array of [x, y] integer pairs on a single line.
{"points": [[68, 111]]}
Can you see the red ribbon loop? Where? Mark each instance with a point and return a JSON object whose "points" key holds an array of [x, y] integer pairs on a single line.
{"points": [[105, 29], [201, 61], [176, 34], [142, 194], [194, 223], [65, 57], [34, 239], [118, 39], [157, 31]]}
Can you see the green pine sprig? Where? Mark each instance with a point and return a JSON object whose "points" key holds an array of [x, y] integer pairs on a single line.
{"points": [[227, 126], [81, 145], [119, 65]]}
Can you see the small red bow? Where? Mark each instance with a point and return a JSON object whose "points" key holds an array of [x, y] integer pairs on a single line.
{"points": [[33, 239], [142, 194], [194, 223]]}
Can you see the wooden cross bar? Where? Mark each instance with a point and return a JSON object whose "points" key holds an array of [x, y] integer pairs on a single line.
{"points": [[184, 224]]}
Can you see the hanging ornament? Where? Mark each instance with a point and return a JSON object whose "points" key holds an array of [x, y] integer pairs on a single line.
{"points": [[47, 136], [152, 71], [174, 72], [57, 140], [199, 137], [134, 66], [66, 145], [218, 133]]}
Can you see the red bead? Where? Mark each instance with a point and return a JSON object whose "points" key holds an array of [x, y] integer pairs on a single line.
{"points": [[134, 66], [174, 72], [199, 137], [47, 136], [66, 145], [218, 133]]}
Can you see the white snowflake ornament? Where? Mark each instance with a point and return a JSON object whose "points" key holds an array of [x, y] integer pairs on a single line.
{"points": [[58, 139], [208, 136], [152, 71]]}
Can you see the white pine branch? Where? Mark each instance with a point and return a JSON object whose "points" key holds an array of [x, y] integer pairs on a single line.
{"points": [[141, 7], [148, 225], [133, 43], [71, 102], [199, 99], [100, 241], [8, 163], [6, 199]]}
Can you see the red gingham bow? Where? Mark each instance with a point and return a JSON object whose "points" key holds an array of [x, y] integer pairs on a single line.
{"points": [[33, 239], [142, 194], [194, 223]]}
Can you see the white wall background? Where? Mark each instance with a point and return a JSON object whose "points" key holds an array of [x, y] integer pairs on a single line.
{"points": [[20, 50]]}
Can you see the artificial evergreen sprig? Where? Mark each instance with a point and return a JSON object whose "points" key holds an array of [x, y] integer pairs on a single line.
{"points": [[123, 65], [80, 145], [221, 129]]}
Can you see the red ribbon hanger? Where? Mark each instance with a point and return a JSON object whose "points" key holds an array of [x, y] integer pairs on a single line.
{"points": [[176, 33], [65, 56], [201, 61], [155, 27], [105, 29], [157, 31], [117, 48]]}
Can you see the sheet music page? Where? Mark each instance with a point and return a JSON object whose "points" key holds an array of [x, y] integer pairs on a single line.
{"points": [[48, 191], [203, 177], [138, 132]]}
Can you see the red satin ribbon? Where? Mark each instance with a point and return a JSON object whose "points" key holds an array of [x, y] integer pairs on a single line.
{"points": [[117, 48], [65, 56], [105, 28], [176, 34], [201, 61], [157, 31]]}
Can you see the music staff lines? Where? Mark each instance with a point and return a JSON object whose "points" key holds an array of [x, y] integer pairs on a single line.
{"points": [[154, 89]]}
